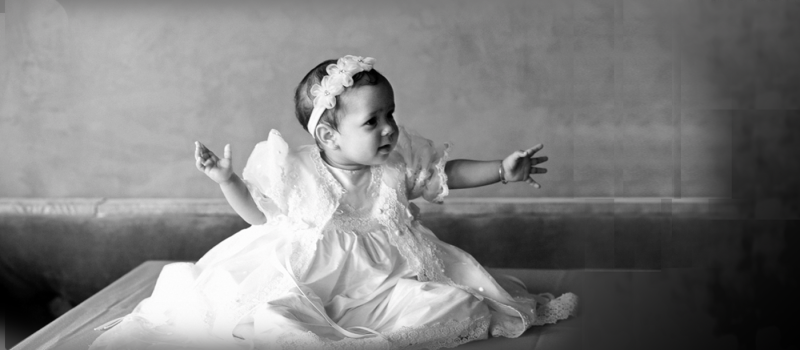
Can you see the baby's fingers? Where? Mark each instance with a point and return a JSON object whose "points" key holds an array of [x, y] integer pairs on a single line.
{"points": [[531, 151], [199, 164], [205, 152], [198, 157], [525, 163], [532, 182], [226, 153], [201, 148]]}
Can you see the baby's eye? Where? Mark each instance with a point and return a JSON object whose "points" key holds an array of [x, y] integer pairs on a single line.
{"points": [[391, 116], [372, 121]]}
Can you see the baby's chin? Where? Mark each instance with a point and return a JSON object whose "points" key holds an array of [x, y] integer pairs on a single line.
{"points": [[379, 158]]}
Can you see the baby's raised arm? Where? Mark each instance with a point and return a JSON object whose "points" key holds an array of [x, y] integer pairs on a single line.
{"points": [[234, 189], [519, 166]]}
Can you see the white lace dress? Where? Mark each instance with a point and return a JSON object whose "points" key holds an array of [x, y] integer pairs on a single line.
{"points": [[341, 263]]}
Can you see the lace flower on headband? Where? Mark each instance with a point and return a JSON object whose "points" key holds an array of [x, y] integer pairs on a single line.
{"points": [[325, 94], [340, 76]]}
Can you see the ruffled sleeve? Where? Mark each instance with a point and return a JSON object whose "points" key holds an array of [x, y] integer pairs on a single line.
{"points": [[263, 174], [424, 166]]}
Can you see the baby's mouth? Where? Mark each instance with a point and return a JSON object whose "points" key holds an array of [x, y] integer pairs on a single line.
{"points": [[385, 148]]}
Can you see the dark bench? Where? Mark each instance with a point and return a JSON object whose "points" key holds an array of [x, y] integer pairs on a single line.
{"points": [[55, 259]]}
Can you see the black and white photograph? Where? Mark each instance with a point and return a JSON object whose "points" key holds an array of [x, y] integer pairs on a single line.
{"points": [[512, 174]]}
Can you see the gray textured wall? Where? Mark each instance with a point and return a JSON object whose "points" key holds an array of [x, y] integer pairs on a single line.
{"points": [[629, 97]]}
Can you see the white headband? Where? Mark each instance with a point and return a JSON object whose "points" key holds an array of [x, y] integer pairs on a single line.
{"points": [[340, 76]]}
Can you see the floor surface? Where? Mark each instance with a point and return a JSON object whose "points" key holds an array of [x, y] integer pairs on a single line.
{"points": [[658, 309]]}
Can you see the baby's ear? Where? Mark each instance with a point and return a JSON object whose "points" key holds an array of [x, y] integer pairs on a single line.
{"points": [[326, 135]]}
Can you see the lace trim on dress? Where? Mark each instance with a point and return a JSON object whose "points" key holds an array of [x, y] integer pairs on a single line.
{"points": [[432, 268], [355, 224], [357, 221], [435, 336], [442, 175], [326, 204], [331, 181], [441, 335], [297, 197], [418, 251], [499, 330], [302, 249], [311, 341], [326, 175], [557, 309]]}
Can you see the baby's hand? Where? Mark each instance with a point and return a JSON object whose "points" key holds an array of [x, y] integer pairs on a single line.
{"points": [[219, 170], [519, 166]]}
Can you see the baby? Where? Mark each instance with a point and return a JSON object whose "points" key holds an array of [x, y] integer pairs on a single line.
{"points": [[335, 257], [357, 132]]}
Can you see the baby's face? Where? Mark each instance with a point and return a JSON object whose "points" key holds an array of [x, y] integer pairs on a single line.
{"points": [[367, 131]]}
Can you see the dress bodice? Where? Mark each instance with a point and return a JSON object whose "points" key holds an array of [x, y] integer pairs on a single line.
{"points": [[356, 209], [349, 222]]}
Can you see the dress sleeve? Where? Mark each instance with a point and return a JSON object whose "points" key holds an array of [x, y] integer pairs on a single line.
{"points": [[263, 174], [424, 166]]}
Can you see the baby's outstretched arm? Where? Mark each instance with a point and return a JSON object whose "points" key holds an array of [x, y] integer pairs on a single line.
{"points": [[519, 166], [234, 189]]}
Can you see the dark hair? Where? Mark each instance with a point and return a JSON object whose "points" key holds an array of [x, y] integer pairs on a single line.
{"points": [[304, 102]]}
